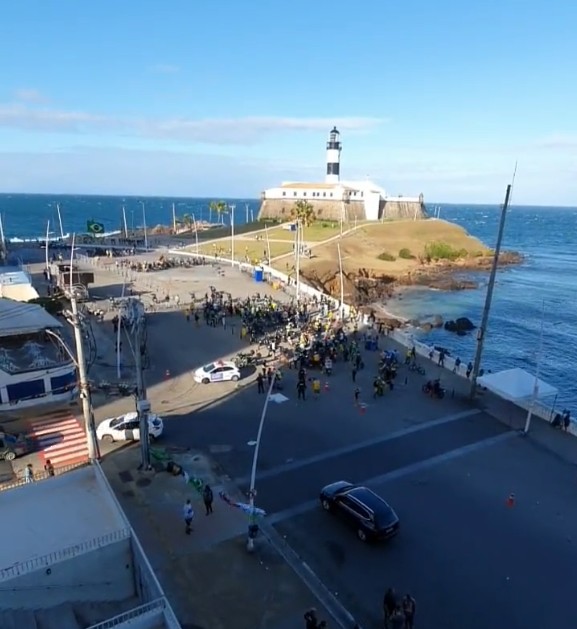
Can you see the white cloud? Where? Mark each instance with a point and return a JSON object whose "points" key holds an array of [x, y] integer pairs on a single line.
{"points": [[558, 141], [164, 68], [29, 95], [223, 131]]}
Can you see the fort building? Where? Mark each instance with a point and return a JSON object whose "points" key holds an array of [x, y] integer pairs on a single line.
{"points": [[339, 200]]}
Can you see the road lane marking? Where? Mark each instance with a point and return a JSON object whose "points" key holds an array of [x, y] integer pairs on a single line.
{"points": [[400, 472], [319, 458]]}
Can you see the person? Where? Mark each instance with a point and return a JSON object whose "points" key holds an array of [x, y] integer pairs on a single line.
{"points": [[207, 497], [188, 514], [316, 386], [389, 604], [397, 618], [409, 607], [29, 473], [49, 468], [311, 619]]}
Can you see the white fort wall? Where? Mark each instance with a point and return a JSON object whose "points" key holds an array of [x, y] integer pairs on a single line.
{"points": [[105, 574]]}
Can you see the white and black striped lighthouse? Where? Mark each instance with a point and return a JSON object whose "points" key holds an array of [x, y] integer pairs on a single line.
{"points": [[333, 156]]}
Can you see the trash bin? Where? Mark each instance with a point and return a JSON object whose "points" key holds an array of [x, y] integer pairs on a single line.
{"points": [[258, 274]]}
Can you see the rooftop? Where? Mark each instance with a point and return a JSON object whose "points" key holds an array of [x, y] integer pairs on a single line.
{"points": [[21, 318], [311, 186], [46, 517]]}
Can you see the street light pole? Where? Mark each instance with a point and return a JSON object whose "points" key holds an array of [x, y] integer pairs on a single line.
{"points": [[298, 261], [142, 404], [535, 395], [144, 221], [342, 308], [267, 243], [232, 208], [252, 491], [489, 297]]}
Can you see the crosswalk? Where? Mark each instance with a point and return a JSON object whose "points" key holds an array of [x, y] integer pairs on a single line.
{"points": [[59, 437]]}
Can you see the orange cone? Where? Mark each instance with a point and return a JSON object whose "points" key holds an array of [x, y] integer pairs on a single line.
{"points": [[362, 408], [511, 500], [327, 387], [167, 374]]}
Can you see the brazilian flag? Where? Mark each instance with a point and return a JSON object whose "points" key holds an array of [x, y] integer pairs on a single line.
{"points": [[92, 227]]}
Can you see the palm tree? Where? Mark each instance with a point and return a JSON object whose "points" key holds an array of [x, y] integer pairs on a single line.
{"points": [[186, 220], [220, 207], [303, 212]]}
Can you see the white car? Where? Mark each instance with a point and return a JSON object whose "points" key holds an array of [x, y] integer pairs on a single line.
{"points": [[219, 371], [127, 428]]}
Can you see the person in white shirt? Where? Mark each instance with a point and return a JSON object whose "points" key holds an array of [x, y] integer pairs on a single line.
{"points": [[188, 514]]}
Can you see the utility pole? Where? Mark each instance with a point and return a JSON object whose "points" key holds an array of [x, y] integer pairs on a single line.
{"points": [[232, 208], [298, 260], [489, 298], [142, 404], [93, 451], [342, 306]]}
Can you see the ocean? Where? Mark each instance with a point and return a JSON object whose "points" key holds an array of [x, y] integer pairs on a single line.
{"points": [[539, 293]]}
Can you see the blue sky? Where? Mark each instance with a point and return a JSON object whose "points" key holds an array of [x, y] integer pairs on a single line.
{"points": [[228, 98]]}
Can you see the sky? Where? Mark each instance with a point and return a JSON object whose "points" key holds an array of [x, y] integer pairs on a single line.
{"points": [[228, 98]]}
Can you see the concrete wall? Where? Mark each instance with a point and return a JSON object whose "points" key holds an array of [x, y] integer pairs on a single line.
{"points": [[106, 574], [324, 210], [401, 208]]}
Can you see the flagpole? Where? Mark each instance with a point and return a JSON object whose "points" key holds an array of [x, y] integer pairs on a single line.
{"points": [[125, 223], [232, 208], [60, 221], [174, 218], [47, 235], [195, 233], [144, 221]]}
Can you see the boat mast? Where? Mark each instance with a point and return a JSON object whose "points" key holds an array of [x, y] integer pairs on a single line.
{"points": [[124, 220], [60, 221], [46, 243], [4, 252]]}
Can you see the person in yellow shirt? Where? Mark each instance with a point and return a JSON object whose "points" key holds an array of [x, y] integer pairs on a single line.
{"points": [[316, 387]]}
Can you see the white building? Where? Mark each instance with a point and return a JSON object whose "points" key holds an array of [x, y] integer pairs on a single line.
{"points": [[35, 366], [70, 559], [339, 200]]}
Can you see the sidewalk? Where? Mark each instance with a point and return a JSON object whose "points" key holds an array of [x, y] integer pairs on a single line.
{"points": [[209, 577], [561, 444]]}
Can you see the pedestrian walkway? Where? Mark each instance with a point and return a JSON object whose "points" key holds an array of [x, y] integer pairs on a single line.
{"points": [[59, 437]]}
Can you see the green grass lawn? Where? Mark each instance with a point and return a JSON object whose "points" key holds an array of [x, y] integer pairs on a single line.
{"points": [[244, 250], [318, 231]]}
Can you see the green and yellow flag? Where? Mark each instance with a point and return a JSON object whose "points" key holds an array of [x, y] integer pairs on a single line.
{"points": [[92, 227]]}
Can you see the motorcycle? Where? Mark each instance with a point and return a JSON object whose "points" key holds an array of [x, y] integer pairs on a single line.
{"points": [[434, 389]]}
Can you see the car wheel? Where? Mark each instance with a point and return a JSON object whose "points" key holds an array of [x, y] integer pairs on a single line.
{"points": [[9, 456], [326, 504], [205, 381], [107, 438], [234, 378], [362, 535]]}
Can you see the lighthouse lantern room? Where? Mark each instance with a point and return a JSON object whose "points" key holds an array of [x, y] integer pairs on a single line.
{"points": [[333, 157]]}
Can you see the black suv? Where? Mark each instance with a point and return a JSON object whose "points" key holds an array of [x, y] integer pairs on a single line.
{"points": [[372, 517]]}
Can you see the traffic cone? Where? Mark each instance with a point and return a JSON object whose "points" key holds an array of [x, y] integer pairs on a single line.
{"points": [[327, 387], [167, 374], [511, 500], [362, 408]]}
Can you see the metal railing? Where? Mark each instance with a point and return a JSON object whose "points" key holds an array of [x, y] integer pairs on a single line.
{"points": [[160, 604], [40, 476], [63, 554]]}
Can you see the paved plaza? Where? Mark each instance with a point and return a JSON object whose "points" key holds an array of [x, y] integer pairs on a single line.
{"points": [[447, 467]]}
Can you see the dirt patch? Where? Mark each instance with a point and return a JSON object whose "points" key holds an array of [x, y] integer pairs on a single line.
{"points": [[379, 257]]}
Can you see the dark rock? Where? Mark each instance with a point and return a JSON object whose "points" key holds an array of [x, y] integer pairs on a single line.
{"points": [[426, 327], [460, 326], [437, 321]]}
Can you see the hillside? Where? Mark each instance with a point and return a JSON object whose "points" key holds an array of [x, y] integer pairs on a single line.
{"points": [[378, 257]]}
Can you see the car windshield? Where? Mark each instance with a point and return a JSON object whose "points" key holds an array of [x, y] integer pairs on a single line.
{"points": [[208, 368], [116, 421], [155, 422]]}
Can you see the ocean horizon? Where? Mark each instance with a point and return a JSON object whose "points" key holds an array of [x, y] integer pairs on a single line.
{"points": [[537, 294]]}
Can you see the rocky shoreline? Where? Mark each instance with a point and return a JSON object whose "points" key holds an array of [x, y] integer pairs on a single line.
{"points": [[370, 291]]}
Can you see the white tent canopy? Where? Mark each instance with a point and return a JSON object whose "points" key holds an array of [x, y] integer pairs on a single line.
{"points": [[516, 385], [18, 318]]}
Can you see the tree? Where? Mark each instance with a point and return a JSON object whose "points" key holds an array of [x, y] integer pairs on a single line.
{"points": [[303, 212], [220, 207], [186, 220]]}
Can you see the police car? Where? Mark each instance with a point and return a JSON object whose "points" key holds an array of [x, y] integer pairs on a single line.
{"points": [[219, 371]]}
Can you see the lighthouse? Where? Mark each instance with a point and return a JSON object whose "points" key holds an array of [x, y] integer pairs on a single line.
{"points": [[333, 156]]}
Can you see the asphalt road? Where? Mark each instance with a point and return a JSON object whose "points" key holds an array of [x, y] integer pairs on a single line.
{"points": [[446, 467]]}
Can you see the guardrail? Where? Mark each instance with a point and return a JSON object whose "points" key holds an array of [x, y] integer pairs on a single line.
{"points": [[40, 476], [158, 605], [44, 561]]}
